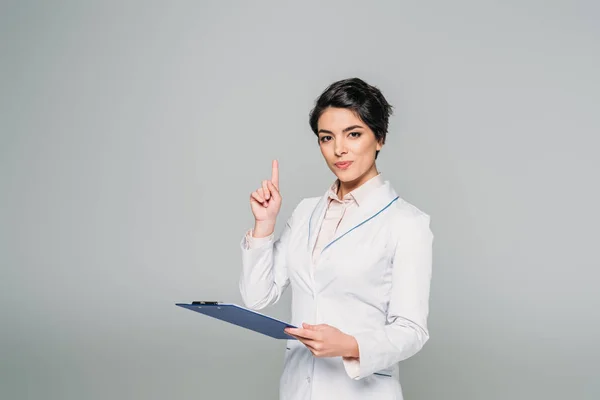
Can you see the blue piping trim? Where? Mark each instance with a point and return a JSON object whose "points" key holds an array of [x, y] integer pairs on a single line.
{"points": [[365, 221], [379, 373]]}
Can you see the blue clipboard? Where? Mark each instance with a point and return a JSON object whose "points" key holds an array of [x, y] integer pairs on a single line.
{"points": [[240, 316]]}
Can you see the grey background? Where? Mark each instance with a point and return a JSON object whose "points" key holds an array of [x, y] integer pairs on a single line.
{"points": [[133, 133]]}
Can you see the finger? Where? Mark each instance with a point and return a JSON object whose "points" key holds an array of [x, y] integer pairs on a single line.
{"points": [[316, 348], [262, 193], [311, 344], [275, 174], [322, 327], [303, 333], [295, 331], [258, 196], [266, 190], [274, 192], [318, 327], [254, 199]]}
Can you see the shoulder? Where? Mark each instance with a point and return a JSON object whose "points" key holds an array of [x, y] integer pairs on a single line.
{"points": [[409, 218], [404, 209], [305, 207], [308, 202]]}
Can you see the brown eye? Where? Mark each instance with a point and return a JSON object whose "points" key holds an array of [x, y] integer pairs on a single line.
{"points": [[355, 134], [324, 139]]}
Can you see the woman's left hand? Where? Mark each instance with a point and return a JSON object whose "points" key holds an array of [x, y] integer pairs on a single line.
{"points": [[325, 340]]}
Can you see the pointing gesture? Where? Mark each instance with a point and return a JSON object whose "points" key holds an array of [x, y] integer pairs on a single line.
{"points": [[266, 201], [275, 174]]}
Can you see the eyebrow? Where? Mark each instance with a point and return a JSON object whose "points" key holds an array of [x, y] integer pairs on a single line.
{"points": [[344, 131]]}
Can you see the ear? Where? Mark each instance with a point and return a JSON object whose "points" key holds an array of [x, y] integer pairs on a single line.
{"points": [[379, 145]]}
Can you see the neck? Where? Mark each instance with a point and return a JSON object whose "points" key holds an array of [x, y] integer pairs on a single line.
{"points": [[347, 187]]}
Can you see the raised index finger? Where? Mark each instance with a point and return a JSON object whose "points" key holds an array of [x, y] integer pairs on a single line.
{"points": [[275, 174]]}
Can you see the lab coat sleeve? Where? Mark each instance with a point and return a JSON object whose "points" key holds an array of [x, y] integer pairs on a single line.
{"points": [[264, 274], [253, 243], [405, 331]]}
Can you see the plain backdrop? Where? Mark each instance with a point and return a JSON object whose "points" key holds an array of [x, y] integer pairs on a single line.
{"points": [[132, 134]]}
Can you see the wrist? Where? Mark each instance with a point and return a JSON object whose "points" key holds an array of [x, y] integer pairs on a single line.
{"points": [[351, 347], [263, 228]]}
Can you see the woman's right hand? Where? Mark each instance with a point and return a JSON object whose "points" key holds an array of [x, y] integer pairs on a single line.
{"points": [[266, 202]]}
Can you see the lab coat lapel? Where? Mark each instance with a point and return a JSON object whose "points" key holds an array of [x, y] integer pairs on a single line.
{"points": [[316, 218], [382, 198]]}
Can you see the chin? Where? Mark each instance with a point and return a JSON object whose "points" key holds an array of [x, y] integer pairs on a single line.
{"points": [[347, 177]]}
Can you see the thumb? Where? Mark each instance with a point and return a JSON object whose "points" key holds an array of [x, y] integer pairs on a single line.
{"points": [[318, 327], [321, 327]]}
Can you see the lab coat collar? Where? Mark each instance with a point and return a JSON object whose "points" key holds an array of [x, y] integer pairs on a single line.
{"points": [[361, 193], [377, 200]]}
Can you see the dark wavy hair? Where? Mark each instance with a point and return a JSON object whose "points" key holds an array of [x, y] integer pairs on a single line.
{"points": [[364, 100]]}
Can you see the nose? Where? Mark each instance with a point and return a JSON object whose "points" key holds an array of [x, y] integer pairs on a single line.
{"points": [[340, 147]]}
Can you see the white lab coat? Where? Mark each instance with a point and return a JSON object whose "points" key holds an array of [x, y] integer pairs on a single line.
{"points": [[371, 281]]}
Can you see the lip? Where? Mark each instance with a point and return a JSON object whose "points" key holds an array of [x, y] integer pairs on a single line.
{"points": [[343, 164]]}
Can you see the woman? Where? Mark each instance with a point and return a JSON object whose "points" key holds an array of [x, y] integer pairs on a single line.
{"points": [[358, 260]]}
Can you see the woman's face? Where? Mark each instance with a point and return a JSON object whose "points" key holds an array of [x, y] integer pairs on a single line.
{"points": [[348, 145]]}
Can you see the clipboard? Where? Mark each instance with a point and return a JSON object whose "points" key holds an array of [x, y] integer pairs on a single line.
{"points": [[241, 316]]}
